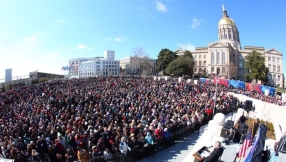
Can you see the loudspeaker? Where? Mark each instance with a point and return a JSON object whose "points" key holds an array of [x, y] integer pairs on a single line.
{"points": [[223, 132], [239, 137], [229, 124], [242, 128], [248, 105]]}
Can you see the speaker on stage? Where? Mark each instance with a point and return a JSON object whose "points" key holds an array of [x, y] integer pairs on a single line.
{"points": [[242, 128], [229, 124], [248, 105], [223, 132]]}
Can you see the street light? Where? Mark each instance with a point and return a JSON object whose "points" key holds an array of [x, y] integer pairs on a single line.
{"points": [[215, 95]]}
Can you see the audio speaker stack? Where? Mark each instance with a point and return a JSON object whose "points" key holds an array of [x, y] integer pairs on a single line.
{"points": [[229, 124], [242, 128]]}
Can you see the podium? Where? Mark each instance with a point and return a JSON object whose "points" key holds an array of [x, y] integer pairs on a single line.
{"points": [[197, 154]]}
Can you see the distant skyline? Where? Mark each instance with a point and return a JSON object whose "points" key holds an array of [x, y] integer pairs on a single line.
{"points": [[44, 35]]}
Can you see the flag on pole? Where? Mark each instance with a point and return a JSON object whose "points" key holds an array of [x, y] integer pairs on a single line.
{"points": [[255, 153], [245, 145]]}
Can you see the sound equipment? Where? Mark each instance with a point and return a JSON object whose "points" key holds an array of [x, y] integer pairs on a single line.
{"points": [[239, 137], [242, 128], [229, 124], [248, 105], [223, 132]]}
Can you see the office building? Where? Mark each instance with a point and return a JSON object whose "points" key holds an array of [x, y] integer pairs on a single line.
{"points": [[8, 75], [100, 66]]}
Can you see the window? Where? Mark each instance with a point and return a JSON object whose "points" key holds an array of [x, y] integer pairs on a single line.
{"points": [[274, 76], [212, 58], [195, 56], [278, 60], [199, 56], [269, 58], [223, 58], [269, 67], [278, 68], [240, 64], [195, 69], [205, 63], [274, 68], [240, 57], [223, 70], [200, 63], [217, 58], [212, 69], [273, 59], [278, 77], [204, 56]]}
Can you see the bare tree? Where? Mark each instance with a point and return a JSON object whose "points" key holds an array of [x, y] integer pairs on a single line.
{"points": [[232, 70], [139, 51]]}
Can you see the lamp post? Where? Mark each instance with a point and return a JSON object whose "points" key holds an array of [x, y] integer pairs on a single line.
{"points": [[215, 95]]}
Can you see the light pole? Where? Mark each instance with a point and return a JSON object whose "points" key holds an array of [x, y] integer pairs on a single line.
{"points": [[215, 95]]}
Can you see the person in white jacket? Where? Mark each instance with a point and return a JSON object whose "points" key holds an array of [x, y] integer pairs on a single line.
{"points": [[123, 146]]}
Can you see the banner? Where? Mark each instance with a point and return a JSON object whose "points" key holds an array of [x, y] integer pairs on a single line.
{"points": [[255, 153]]}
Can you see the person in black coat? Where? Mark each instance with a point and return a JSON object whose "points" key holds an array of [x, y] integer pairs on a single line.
{"points": [[42, 147], [215, 154]]}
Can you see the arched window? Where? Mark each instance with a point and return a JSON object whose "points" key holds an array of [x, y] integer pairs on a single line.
{"points": [[217, 58], [223, 58], [212, 58]]}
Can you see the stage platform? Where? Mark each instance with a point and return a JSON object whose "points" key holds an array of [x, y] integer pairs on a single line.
{"points": [[182, 150]]}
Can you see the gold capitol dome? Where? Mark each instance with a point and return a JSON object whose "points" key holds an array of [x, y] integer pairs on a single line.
{"points": [[225, 20]]}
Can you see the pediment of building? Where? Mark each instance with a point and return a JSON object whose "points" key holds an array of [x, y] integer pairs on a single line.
{"points": [[273, 51], [217, 45]]}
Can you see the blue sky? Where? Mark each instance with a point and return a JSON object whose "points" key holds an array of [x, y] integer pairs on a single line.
{"points": [[44, 35]]}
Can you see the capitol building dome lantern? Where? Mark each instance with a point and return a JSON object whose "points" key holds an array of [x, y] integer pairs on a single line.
{"points": [[227, 31]]}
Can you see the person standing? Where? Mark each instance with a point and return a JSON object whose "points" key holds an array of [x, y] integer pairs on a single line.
{"points": [[255, 127], [215, 154]]}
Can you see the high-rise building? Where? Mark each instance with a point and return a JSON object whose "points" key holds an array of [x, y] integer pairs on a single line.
{"points": [[8, 75], [227, 59]]}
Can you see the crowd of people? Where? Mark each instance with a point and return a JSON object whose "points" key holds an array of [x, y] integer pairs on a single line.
{"points": [[273, 99], [87, 119]]}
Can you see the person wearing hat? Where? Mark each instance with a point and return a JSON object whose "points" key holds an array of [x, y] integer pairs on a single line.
{"points": [[123, 147], [95, 153], [62, 140]]}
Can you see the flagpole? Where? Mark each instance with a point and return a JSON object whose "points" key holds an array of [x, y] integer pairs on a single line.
{"points": [[235, 157]]}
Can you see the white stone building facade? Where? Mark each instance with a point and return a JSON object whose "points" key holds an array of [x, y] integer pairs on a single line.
{"points": [[227, 59], [106, 66], [134, 65]]}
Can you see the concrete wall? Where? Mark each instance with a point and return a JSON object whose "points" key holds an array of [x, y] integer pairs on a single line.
{"points": [[14, 83], [269, 112]]}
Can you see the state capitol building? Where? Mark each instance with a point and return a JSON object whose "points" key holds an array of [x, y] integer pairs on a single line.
{"points": [[226, 57]]}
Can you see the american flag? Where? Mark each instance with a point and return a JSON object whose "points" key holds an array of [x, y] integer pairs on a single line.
{"points": [[246, 143]]}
